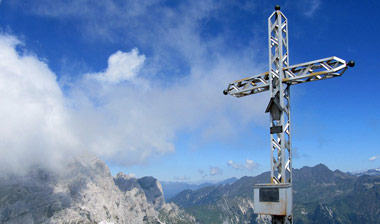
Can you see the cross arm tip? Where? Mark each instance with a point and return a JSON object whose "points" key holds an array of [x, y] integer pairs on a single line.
{"points": [[351, 63]]}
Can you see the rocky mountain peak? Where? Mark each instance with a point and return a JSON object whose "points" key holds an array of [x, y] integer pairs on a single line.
{"points": [[84, 193], [126, 182], [153, 191], [322, 167], [317, 174], [149, 191]]}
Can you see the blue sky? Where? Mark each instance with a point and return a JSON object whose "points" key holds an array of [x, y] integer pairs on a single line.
{"points": [[139, 84]]}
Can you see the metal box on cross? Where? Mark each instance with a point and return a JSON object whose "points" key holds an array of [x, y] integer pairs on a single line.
{"points": [[273, 199]]}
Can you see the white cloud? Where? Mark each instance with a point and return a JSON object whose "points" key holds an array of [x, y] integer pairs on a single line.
{"points": [[34, 123], [373, 158], [125, 113], [122, 66], [130, 122], [122, 122], [215, 171], [248, 165], [42, 127], [233, 164]]}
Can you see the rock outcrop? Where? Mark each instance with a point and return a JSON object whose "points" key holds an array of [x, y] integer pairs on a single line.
{"points": [[153, 191], [84, 193], [149, 192]]}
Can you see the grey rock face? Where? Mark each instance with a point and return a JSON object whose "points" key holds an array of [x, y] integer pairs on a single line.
{"points": [[126, 183], [171, 213], [153, 191], [136, 196], [85, 193], [149, 192]]}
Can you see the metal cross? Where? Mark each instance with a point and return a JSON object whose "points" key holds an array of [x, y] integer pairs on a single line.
{"points": [[276, 198]]}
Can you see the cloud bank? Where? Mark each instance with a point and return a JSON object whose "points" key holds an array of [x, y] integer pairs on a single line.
{"points": [[34, 122], [126, 113], [114, 114]]}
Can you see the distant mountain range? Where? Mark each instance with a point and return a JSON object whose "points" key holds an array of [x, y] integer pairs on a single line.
{"points": [[370, 172], [87, 193], [171, 189], [320, 196]]}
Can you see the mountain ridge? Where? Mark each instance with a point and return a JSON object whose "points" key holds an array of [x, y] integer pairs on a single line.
{"points": [[85, 193], [320, 196]]}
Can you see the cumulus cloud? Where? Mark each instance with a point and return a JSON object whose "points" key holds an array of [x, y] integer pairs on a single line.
{"points": [[40, 126], [130, 122], [248, 165], [115, 114], [122, 66], [125, 113], [214, 171], [373, 158], [34, 122]]}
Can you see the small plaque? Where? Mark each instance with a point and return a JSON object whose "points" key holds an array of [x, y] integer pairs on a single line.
{"points": [[276, 129], [269, 194]]}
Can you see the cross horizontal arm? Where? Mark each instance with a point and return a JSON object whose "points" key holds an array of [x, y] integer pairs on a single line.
{"points": [[315, 70], [247, 86], [305, 72]]}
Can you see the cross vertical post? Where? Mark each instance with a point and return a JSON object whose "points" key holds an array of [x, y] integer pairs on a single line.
{"points": [[280, 94], [280, 135], [276, 198]]}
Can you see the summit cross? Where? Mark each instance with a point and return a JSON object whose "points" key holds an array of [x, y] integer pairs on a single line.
{"points": [[276, 198]]}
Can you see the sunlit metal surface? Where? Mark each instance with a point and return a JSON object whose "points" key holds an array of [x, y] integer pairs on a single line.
{"points": [[278, 81]]}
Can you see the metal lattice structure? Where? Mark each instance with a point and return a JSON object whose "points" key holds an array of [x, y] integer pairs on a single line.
{"points": [[280, 95], [278, 81]]}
